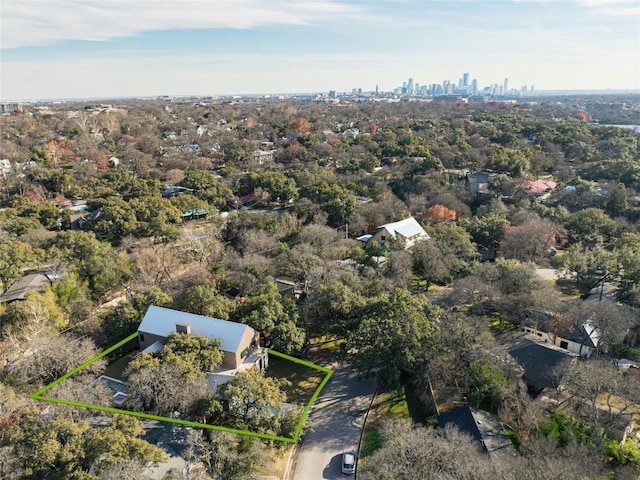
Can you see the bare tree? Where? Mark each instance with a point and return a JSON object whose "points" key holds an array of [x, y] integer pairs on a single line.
{"points": [[161, 389]]}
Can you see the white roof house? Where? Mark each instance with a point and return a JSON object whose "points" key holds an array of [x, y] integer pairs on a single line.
{"points": [[238, 340], [408, 230]]}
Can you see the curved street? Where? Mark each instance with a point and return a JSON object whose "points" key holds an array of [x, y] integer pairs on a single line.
{"points": [[337, 420]]}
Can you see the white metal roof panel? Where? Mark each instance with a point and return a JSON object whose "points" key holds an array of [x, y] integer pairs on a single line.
{"points": [[162, 322], [408, 227]]}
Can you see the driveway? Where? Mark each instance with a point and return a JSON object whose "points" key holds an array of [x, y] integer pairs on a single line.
{"points": [[337, 419]]}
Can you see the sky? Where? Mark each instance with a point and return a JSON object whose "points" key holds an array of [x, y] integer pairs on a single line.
{"points": [[111, 48]]}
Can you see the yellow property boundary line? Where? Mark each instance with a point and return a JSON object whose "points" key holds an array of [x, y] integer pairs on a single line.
{"points": [[38, 395]]}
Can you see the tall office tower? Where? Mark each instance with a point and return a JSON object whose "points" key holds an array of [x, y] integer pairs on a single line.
{"points": [[465, 79], [532, 93], [506, 86], [474, 86], [410, 87], [377, 91]]}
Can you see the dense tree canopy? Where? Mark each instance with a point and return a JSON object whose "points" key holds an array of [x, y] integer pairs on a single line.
{"points": [[167, 203]]}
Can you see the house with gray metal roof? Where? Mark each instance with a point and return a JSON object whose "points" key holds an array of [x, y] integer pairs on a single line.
{"points": [[238, 340]]}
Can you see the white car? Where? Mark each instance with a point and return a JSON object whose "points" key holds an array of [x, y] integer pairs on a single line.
{"points": [[348, 462]]}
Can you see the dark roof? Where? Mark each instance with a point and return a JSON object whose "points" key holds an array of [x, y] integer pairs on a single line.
{"points": [[484, 427], [462, 419], [583, 334], [540, 362], [18, 291]]}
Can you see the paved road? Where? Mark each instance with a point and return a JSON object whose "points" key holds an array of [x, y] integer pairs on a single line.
{"points": [[337, 420]]}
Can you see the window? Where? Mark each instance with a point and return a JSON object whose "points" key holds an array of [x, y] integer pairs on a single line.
{"points": [[141, 337], [383, 238], [564, 344]]}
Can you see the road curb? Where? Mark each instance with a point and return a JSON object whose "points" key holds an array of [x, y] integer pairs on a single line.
{"points": [[364, 425], [288, 466]]}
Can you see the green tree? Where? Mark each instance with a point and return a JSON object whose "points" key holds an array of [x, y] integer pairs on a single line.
{"points": [[156, 217], [398, 326], [14, 256], [62, 449], [69, 291], [589, 265], [590, 226], [275, 316], [511, 161], [448, 254], [276, 183], [488, 230], [334, 199], [116, 219], [335, 307], [124, 318], [99, 263], [252, 400], [207, 187], [489, 381], [194, 354], [205, 299]]}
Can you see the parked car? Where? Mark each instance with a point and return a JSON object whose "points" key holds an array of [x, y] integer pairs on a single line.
{"points": [[348, 461]]}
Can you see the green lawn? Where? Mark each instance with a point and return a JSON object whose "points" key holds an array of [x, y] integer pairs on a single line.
{"points": [[304, 380], [323, 350], [116, 369], [498, 326], [389, 404], [569, 288]]}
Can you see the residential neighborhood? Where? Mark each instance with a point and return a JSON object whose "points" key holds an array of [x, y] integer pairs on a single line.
{"points": [[301, 288]]}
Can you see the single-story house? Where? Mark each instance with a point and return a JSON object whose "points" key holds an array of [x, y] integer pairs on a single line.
{"points": [[484, 427], [34, 281], [581, 338], [538, 187], [542, 364], [239, 341], [408, 230]]}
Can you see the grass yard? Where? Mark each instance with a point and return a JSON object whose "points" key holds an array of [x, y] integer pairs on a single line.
{"points": [[498, 326], [279, 457], [117, 368], [389, 404], [323, 350], [568, 287], [304, 380]]}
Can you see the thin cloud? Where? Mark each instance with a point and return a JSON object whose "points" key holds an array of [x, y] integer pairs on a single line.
{"points": [[29, 23], [613, 7]]}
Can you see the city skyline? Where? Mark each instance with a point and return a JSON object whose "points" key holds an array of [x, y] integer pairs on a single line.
{"points": [[114, 49], [465, 86]]}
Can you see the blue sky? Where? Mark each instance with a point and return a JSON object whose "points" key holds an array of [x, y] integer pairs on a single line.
{"points": [[115, 48]]}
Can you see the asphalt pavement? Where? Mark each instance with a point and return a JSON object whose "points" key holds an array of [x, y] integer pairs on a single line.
{"points": [[337, 420]]}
